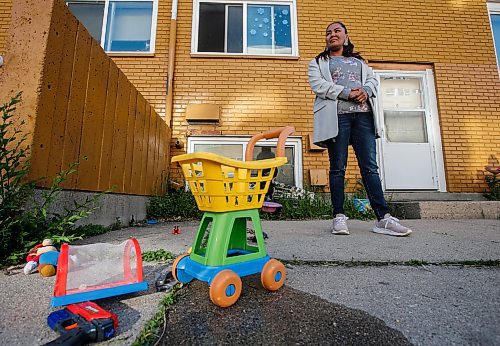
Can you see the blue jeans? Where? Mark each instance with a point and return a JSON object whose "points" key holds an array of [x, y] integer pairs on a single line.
{"points": [[358, 130]]}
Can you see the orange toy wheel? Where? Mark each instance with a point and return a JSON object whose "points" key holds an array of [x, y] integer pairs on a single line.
{"points": [[273, 275], [225, 288], [174, 267]]}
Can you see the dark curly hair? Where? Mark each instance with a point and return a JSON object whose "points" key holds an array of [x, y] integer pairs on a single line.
{"points": [[348, 50]]}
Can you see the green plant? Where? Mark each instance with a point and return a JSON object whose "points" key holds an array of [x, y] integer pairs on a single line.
{"points": [[301, 208], [24, 219], [173, 205], [36, 222], [494, 187], [157, 256], [38, 215], [307, 208], [14, 189], [149, 334]]}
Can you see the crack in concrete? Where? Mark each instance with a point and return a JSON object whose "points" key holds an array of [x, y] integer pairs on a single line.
{"points": [[410, 263]]}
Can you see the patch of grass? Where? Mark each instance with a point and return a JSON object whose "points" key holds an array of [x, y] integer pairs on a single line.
{"points": [[154, 329], [416, 263], [157, 256]]}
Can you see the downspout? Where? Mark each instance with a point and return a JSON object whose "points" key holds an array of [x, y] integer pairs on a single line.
{"points": [[171, 65]]}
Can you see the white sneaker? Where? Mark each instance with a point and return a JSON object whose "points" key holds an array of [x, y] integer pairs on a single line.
{"points": [[390, 225], [340, 225]]}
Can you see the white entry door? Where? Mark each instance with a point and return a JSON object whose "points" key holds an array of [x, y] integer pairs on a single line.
{"points": [[410, 141]]}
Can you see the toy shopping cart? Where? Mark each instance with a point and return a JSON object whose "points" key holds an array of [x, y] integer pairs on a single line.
{"points": [[230, 192]]}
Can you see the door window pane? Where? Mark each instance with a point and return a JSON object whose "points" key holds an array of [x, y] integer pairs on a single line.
{"points": [[129, 26], [90, 15], [401, 93], [405, 126]]}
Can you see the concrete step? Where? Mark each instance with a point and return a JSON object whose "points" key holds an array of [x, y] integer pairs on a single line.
{"points": [[411, 196], [445, 209]]}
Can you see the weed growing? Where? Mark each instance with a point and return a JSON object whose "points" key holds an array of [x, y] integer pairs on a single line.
{"points": [[157, 256], [151, 332], [24, 219]]}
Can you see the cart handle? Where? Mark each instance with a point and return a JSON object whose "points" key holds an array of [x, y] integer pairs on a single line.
{"points": [[281, 133]]}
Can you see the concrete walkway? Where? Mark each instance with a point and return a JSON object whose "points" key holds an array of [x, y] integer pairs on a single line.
{"points": [[378, 280]]}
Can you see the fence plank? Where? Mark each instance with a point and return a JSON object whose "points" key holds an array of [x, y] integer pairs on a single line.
{"points": [[145, 151], [107, 129], [132, 115], [151, 152], [120, 134], [93, 119], [76, 104], [138, 142], [54, 165]]}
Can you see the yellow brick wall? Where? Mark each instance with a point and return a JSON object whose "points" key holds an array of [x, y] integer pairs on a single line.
{"points": [[256, 94], [5, 10]]}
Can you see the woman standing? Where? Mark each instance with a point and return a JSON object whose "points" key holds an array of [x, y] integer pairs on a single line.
{"points": [[344, 114]]}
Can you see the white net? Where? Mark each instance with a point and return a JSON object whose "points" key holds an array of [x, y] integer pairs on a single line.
{"points": [[100, 265]]}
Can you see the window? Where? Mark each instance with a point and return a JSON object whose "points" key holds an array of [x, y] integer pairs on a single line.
{"points": [[120, 26], [244, 28], [235, 147], [403, 109], [494, 10]]}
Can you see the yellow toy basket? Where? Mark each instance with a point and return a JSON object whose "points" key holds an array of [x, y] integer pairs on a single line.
{"points": [[220, 184]]}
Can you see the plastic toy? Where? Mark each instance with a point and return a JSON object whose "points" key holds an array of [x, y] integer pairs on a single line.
{"points": [[94, 271], [82, 323], [271, 207], [33, 259], [230, 192], [47, 263]]}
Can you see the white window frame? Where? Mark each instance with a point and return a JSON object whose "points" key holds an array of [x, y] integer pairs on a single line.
{"points": [[245, 3], [292, 141], [494, 8], [430, 107], [154, 20]]}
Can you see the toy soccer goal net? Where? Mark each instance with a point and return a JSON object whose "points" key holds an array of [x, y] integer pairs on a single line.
{"points": [[95, 271]]}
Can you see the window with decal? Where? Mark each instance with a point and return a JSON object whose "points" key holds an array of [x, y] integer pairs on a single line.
{"points": [[245, 28], [120, 26]]}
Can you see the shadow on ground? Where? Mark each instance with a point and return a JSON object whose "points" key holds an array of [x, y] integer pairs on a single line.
{"points": [[285, 317]]}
